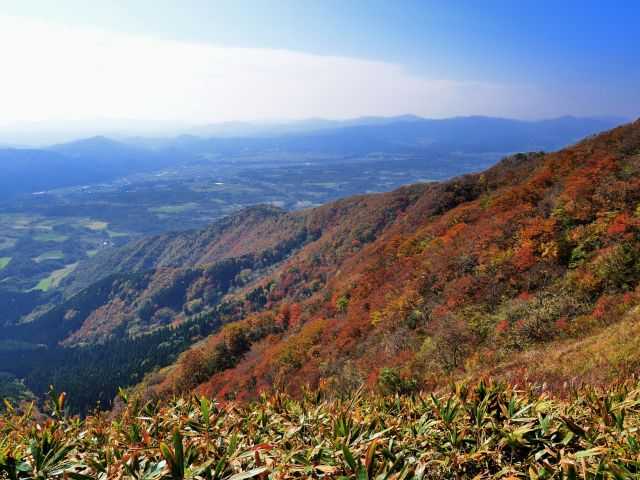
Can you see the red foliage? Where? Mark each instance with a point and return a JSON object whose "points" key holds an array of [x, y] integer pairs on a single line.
{"points": [[453, 233], [295, 313], [525, 296], [284, 316], [448, 255], [562, 324], [524, 257], [620, 224], [502, 326], [440, 312]]}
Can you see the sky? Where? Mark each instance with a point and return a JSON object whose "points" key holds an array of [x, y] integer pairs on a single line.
{"points": [[190, 62]]}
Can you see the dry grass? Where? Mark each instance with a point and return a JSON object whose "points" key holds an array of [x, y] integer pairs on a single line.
{"points": [[484, 431]]}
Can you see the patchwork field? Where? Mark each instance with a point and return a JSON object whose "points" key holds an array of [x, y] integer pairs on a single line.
{"points": [[95, 225], [174, 209], [53, 280], [50, 255], [50, 237]]}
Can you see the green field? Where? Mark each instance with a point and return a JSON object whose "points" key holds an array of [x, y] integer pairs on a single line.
{"points": [[51, 237], [113, 234], [328, 185], [50, 255], [95, 225], [4, 261], [16, 345], [53, 280], [22, 221], [174, 209]]}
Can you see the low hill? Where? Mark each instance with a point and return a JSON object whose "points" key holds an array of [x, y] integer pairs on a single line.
{"points": [[94, 160], [248, 231]]}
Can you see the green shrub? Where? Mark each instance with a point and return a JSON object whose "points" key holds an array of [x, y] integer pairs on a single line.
{"points": [[390, 381]]}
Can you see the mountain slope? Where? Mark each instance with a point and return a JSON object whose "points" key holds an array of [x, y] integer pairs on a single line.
{"points": [[405, 289], [126, 324], [251, 230], [474, 273]]}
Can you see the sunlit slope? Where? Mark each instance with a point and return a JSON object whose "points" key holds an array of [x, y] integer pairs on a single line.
{"points": [[476, 271]]}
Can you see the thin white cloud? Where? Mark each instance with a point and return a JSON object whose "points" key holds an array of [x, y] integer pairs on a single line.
{"points": [[51, 71]]}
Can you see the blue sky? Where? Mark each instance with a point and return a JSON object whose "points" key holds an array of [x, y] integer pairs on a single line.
{"points": [[525, 59]]}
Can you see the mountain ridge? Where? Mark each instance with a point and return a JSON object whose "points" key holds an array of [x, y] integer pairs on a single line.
{"points": [[430, 282], [507, 271]]}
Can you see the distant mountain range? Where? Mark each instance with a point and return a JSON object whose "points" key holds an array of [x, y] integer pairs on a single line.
{"points": [[406, 134], [269, 129], [99, 159]]}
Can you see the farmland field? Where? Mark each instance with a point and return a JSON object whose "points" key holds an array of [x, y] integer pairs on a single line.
{"points": [[50, 255], [174, 209], [95, 225], [55, 278]]}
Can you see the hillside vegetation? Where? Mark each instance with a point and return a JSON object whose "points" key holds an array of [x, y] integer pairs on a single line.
{"points": [[168, 294], [494, 272], [472, 431], [527, 272], [484, 327]]}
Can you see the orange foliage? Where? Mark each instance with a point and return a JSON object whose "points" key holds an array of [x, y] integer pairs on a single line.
{"points": [[524, 257], [620, 224], [502, 326], [425, 279]]}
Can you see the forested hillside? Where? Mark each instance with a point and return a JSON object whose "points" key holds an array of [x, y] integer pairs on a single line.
{"points": [[167, 295], [515, 272], [528, 271]]}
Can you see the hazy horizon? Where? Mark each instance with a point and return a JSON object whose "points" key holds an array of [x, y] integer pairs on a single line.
{"points": [[46, 133], [147, 67]]}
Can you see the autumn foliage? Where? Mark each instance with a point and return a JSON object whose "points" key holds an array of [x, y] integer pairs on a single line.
{"points": [[443, 280]]}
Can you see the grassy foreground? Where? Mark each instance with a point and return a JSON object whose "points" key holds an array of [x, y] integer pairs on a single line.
{"points": [[483, 431]]}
